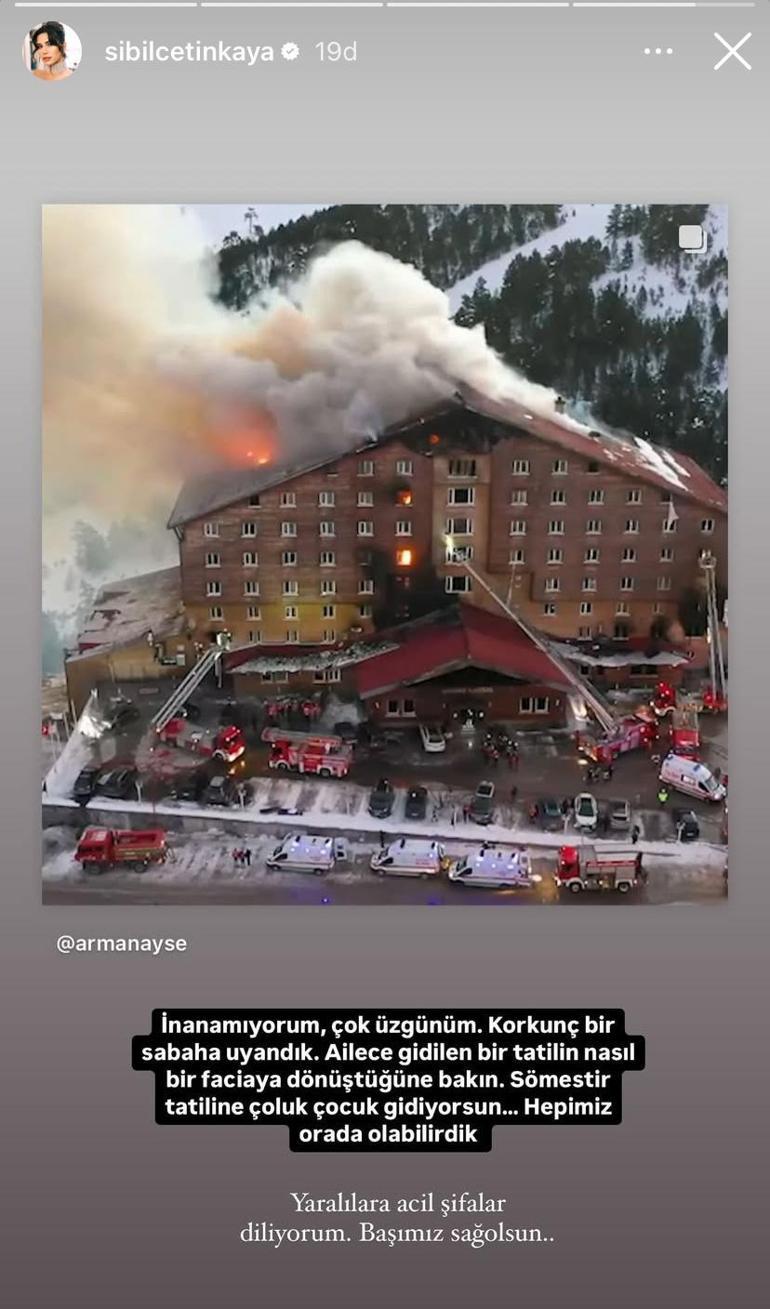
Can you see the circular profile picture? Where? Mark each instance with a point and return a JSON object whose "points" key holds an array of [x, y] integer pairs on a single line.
{"points": [[52, 51]]}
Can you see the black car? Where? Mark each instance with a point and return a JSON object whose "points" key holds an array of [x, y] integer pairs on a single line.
{"points": [[118, 784], [223, 791], [85, 783], [482, 803], [191, 711], [547, 814], [416, 803], [190, 786], [347, 732], [686, 824], [120, 713], [381, 799]]}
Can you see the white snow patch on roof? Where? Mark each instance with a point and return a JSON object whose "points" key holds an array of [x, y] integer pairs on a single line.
{"points": [[654, 458]]}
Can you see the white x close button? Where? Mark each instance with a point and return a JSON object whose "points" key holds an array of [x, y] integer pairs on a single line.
{"points": [[732, 52]]}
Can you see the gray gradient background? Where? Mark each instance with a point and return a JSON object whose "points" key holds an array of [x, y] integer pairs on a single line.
{"points": [[102, 1207]]}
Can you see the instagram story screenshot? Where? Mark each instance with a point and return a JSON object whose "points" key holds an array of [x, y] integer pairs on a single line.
{"points": [[385, 456]]}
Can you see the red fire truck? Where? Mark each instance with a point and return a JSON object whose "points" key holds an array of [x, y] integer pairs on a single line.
{"points": [[630, 734], [664, 699], [226, 743], [584, 868], [326, 756], [685, 733], [103, 847]]}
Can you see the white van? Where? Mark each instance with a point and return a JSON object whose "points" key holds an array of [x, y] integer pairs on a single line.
{"points": [[409, 858], [300, 852], [486, 866], [692, 777]]}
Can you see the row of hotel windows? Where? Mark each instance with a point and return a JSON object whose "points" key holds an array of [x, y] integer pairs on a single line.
{"points": [[560, 468], [326, 527], [216, 612], [622, 610], [406, 708], [553, 584], [591, 555], [365, 587], [595, 526]]}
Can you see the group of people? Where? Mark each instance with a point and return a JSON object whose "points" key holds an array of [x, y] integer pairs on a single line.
{"points": [[492, 752], [281, 710], [242, 856]]}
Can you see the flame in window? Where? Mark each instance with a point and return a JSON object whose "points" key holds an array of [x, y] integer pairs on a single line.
{"points": [[404, 558], [404, 497]]}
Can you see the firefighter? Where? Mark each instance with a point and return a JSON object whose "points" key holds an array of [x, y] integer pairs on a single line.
{"points": [[662, 795]]}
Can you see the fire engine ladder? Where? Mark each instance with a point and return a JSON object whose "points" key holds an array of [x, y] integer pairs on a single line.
{"points": [[716, 653], [595, 702], [184, 690]]}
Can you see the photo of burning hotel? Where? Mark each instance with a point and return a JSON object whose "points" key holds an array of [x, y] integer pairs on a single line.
{"points": [[490, 565]]}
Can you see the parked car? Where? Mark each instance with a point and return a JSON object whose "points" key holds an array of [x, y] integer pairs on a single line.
{"points": [[482, 803], [547, 814], [223, 791], [432, 737], [85, 783], [619, 813], [586, 812], [416, 803], [347, 732], [118, 784], [190, 786], [381, 799], [119, 713], [686, 824]]}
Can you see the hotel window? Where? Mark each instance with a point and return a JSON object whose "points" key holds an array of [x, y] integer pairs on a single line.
{"points": [[213, 560], [634, 496], [216, 612], [255, 636], [403, 528], [592, 466], [518, 527], [251, 588], [594, 527], [250, 559], [288, 500], [326, 527], [519, 497], [584, 632], [333, 471], [253, 611], [329, 636], [657, 608], [556, 555], [248, 529], [629, 555], [253, 502], [666, 498], [520, 468], [213, 588], [549, 609], [626, 583], [704, 553], [707, 525], [288, 529], [461, 495], [458, 585], [365, 527], [328, 587], [558, 497], [326, 499], [364, 611], [462, 467], [459, 527], [366, 468], [365, 499], [289, 558], [560, 468], [552, 584], [588, 584], [292, 636], [632, 527], [289, 588], [586, 608], [596, 497], [534, 704], [290, 611], [669, 524], [404, 467], [591, 555], [327, 559], [664, 584], [666, 554], [622, 609], [328, 611], [211, 529], [459, 554], [366, 586], [556, 527], [516, 556]]}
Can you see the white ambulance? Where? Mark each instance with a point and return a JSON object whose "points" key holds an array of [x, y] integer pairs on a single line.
{"points": [[488, 866], [692, 777], [409, 858], [300, 852]]}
